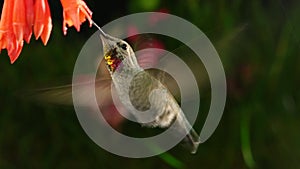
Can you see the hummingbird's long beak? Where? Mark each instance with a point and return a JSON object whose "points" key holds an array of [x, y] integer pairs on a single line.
{"points": [[101, 31], [107, 40]]}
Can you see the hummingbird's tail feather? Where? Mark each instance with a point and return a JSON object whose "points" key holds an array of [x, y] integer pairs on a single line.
{"points": [[192, 139]]}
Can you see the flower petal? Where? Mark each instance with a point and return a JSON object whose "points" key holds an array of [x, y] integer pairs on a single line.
{"points": [[42, 22], [40, 12], [27, 33], [19, 19], [71, 18], [29, 5], [14, 54], [6, 19], [75, 12], [47, 26]]}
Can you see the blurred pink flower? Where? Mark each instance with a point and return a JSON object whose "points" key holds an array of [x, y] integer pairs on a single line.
{"points": [[155, 18]]}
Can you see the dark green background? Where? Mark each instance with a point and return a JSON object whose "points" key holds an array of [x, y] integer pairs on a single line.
{"points": [[261, 123]]}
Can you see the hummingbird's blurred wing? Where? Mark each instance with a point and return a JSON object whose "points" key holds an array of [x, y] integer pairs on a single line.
{"points": [[63, 94], [226, 42], [148, 61]]}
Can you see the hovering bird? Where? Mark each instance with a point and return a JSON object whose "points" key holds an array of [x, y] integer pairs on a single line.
{"points": [[140, 92], [138, 89]]}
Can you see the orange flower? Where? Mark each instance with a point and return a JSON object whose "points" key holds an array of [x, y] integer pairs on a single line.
{"points": [[8, 39], [75, 12], [20, 17]]}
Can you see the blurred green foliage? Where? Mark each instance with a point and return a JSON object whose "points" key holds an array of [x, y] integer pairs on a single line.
{"points": [[260, 126]]}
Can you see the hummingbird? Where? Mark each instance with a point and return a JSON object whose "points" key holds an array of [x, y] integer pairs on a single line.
{"points": [[120, 67], [145, 96]]}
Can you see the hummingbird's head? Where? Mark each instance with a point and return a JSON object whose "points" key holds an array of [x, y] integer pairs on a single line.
{"points": [[116, 52]]}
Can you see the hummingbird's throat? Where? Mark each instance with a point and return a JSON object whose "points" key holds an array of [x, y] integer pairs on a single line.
{"points": [[112, 61]]}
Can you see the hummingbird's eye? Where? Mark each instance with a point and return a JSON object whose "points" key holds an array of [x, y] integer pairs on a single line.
{"points": [[124, 46]]}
